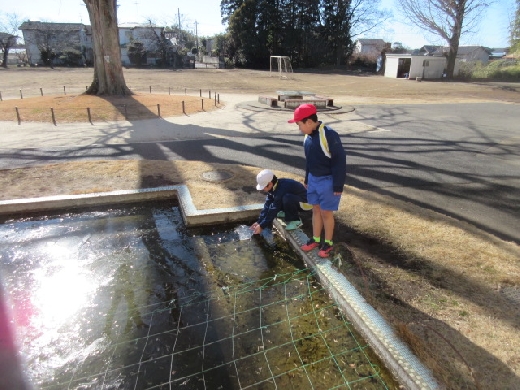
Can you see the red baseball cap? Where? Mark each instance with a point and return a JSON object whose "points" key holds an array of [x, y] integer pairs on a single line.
{"points": [[303, 111]]}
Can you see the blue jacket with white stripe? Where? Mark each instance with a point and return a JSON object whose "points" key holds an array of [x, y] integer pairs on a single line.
{"points": [[319, 164]]}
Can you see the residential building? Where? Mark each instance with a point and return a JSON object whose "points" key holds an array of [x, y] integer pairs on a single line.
{"points": [[58, 43], [473, 54], [71, 43], [464, 53], [370, 47], [430, 50], [141, 44]]}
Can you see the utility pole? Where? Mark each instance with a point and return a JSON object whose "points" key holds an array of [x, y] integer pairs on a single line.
{"points": [[179, 17], [196, 37]]}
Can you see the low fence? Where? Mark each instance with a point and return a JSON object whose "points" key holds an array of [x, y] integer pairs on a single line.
{"points": [[95, 113], [7, 94]]}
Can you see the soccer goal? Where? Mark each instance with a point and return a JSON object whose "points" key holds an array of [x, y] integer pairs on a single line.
{"points": [[280, 65]]}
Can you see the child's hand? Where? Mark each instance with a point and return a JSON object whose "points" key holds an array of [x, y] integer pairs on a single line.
{"points": [[256, 228]]}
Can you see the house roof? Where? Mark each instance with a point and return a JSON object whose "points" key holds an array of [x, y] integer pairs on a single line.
{"points": [[371, 41], [414, 54], [36, 25], [431, 50], [463, 50], [131, 25]]}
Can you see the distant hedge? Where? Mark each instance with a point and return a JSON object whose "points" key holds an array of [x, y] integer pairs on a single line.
{"points": [[504, 69]]}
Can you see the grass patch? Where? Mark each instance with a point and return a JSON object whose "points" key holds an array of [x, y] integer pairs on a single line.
{"points": [[504, 69], [73, 108]]}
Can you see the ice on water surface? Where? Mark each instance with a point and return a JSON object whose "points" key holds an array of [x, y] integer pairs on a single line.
{"points": [[244, 232]]}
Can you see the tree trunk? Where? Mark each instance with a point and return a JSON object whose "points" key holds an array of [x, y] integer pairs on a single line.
{"points": [[108, 70], [458, 17], [452, 57], [6, 56]]}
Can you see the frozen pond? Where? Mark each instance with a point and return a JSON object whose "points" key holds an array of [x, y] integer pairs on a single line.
{"points": [[127, 298]]}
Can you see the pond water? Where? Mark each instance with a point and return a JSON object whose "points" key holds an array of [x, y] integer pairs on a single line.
{"points": [[128, 298]]}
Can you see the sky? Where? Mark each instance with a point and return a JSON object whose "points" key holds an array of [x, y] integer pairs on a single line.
{"points": [[203, 18], [492, 31], [200, 16]]}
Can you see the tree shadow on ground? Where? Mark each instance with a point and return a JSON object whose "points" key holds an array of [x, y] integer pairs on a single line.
{"points": [[455, 360]]}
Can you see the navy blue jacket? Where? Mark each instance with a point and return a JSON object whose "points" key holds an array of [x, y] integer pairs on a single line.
{"points": [[274, 200], [318, 164]]}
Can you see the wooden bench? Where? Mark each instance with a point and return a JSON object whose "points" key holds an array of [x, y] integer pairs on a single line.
{"points": [[330, 101], [293, 103], [270, 101]]}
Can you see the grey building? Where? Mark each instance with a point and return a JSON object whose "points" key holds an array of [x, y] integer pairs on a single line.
{"points": [[57, 43]]}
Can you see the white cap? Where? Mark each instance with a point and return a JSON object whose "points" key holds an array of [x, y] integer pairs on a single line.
{"points": [[263, 178]]}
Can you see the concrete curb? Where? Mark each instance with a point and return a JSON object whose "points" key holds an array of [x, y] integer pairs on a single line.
{"points": [[396, 355], [257, 106], [191, 215]]}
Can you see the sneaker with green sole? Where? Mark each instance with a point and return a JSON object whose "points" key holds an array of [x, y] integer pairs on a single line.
{"points": [[292, 225]]}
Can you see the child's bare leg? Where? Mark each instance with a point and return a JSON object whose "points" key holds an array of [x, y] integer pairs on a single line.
{"points": [[317, 223], [327, 218]]}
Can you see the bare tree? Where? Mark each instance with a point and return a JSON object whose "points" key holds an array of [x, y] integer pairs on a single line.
{"points": [[449, 19], [108, 69], [345, 20], [8, 27]]}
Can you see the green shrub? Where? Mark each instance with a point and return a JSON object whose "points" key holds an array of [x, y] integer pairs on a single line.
{"points": [[508, 69]]}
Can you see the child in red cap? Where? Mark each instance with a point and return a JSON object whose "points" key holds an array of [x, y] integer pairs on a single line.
{"points": [[325, 172]]}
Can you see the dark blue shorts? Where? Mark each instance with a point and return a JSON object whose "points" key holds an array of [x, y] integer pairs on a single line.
{"points": [[320, 192]]}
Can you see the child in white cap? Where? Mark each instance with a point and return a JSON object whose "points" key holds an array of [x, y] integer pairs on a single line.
{"points": [[285, 198]]}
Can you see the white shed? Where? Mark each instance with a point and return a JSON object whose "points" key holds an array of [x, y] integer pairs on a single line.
{"points": [[409, 66]]}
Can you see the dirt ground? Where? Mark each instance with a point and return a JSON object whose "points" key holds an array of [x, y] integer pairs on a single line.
{"points": [[445, 286], [345, 87]]}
